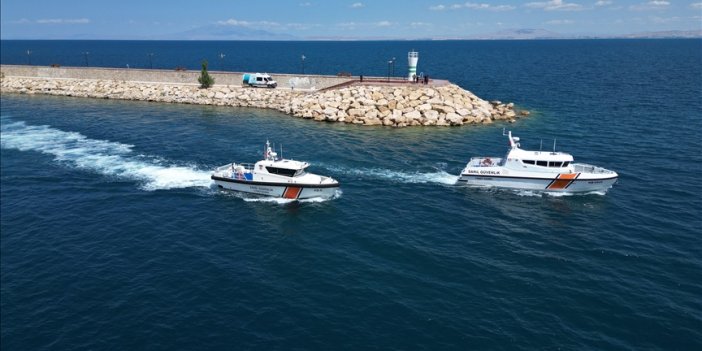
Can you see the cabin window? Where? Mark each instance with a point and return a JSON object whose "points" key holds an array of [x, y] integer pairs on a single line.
{"points": [[555, 164], [542, 163], [281, 171], [258, 79], [529, 162], [566, 163]]}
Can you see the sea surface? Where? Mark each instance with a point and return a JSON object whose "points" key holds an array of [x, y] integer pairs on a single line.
{"points": [[114, 238]]}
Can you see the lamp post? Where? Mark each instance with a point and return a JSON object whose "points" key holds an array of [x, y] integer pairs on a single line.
{"points": [[393, 67], [86, 58], [389, 63], [151, 62], [221, 61], [29, 57], [302, 62]]}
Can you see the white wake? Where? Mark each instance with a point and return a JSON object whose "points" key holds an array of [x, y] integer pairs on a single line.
{"points": [[101, 156], [439, 177]]}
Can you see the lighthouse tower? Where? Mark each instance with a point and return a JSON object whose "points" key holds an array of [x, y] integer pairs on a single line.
{"points": [[412, 58]]}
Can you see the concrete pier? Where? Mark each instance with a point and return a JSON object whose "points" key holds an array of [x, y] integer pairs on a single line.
{"points": [[375, 101]]}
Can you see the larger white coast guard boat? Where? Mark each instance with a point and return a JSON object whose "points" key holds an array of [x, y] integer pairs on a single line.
{"points": [[536, 170], [276, 177]]}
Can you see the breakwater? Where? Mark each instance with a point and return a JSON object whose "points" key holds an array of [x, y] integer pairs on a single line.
{"points": [[320, 98]]}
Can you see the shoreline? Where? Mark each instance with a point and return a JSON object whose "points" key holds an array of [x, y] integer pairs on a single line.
{"points": [[320, 98]]}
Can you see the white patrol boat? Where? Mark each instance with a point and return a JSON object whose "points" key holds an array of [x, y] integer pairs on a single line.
{"points": [[276, 177], [536, 170]]}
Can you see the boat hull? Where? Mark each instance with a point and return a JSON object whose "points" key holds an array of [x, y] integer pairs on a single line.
{"points": [[561, 183], [287, 191]]}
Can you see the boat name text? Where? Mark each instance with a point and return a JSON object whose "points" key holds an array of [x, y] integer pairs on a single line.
{"points": [[472, 171]]}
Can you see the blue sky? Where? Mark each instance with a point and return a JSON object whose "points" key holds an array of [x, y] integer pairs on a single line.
{"points": [[145, 19]]}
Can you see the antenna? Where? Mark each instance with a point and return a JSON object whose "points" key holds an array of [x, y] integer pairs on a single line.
{"points": [[541, 146], [554, 144], [281, 151]]}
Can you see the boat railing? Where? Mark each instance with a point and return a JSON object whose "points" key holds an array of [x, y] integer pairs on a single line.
{"points": [[228, 169], [485, 161], [247, 166], [585, 168]]}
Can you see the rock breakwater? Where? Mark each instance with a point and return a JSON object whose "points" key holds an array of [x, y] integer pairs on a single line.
{"points": [[399, 106]]}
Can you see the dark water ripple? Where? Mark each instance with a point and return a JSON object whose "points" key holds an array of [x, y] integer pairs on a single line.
{"points": [[114, 238]]}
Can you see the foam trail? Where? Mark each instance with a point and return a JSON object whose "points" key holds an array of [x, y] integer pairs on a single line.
{"points": [[536, 193], [101, 156], [440, 177]]}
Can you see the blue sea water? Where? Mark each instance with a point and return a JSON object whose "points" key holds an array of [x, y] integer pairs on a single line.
{"points": [[113, 237]]}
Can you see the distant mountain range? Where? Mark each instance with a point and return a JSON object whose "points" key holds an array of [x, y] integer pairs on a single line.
{"points": [[216, 32], [537, 34], [224, 32], [666, 34], [221, 32], [522, 34]]}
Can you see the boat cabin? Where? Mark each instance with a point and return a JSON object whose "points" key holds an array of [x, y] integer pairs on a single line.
{"points": [[543, 161], [540, 158], [285, 168]]}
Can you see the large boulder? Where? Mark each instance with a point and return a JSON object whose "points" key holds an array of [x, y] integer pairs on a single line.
{"points": [[330, 111], [424, 107], [356, 112], [431, 115], [463, 111], [372, 121], [454, 118], [443, 108], [413, 115], [415, 95]]}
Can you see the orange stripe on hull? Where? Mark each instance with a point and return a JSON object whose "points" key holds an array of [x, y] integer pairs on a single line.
{"points": [[292, 192], [562, 181]]}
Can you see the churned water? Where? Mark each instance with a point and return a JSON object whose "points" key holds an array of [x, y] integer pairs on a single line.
{"points": [[113, 236]]}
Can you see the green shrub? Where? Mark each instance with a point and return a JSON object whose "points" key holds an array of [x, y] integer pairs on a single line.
{"points": [[205, 79]]}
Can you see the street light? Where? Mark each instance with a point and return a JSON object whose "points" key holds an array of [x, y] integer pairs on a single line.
{"points": [[86, 58], [393, 67], [302, 62], [389, 63], [151, 62], [29, 57], [221, 61]]}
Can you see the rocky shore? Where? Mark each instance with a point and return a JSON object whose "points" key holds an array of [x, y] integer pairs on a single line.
{"points": [[399, 106]]}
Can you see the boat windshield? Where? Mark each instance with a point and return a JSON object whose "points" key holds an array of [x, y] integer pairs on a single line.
{"points": [[281, 171], [300, 173], [557, 164]]}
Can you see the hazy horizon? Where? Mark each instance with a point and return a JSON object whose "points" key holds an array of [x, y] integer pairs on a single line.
{"points": [[340, 20]]}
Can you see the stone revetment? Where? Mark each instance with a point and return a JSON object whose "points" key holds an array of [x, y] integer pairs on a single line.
{"points": [[349, 101]]}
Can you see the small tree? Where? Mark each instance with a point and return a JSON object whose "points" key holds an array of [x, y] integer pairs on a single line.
{"points": [[205, 79]]}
